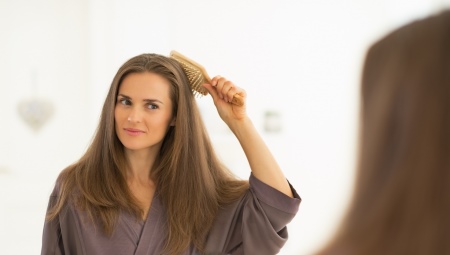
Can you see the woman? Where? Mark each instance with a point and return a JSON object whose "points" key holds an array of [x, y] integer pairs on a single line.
{"points": [[401, 203], [150, 182]]}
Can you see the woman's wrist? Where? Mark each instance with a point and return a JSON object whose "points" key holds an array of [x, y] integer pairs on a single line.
{"points": [[241, 127]]}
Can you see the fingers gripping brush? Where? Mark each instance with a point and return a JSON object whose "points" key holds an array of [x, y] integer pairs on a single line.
{"points": [[197, 76]]}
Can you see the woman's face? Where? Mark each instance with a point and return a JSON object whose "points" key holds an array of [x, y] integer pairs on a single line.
{"points": [[143, 111]]}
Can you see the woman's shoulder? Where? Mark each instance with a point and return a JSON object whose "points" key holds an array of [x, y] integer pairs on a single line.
{"points": [[63, 180]]}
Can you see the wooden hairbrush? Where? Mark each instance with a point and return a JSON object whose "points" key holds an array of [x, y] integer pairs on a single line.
{"points": [[198, 76]]}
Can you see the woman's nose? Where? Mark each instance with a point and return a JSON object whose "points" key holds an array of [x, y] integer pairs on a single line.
{"points": [[135, 116]]}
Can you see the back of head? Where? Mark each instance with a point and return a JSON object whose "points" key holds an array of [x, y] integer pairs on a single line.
{"points": [[401, 200]]}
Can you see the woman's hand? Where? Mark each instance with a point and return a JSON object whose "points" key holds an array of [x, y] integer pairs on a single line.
{"points": [[263, 164], [222, 92]]}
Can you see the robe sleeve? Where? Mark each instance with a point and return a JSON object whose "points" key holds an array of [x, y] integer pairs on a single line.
{"points": [[256, 224], [51, 237], [61, 235]]}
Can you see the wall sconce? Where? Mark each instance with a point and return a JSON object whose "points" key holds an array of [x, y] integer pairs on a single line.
{"points": [[35, 112]]}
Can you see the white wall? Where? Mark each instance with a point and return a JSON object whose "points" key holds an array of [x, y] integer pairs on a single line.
{"points": [[46, 40], [300, 58]]}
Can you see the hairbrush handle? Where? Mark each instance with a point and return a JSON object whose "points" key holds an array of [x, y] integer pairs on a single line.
{"points": [[237, 100]]}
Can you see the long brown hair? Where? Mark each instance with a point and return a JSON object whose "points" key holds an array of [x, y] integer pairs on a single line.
{"points": [[401, 201], [190, 179]]}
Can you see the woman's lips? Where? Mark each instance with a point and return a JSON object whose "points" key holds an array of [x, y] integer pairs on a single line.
{"points": [[133, 131]]}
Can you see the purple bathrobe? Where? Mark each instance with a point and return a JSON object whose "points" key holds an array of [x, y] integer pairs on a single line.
{"points": [[255, 224]]}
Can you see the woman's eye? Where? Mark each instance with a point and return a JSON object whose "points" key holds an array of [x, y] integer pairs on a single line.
{"points": [[152, 106], [125, 101]]}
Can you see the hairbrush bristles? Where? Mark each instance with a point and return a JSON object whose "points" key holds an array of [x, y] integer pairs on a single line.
{"points": [[198, 76], [195, 73]]}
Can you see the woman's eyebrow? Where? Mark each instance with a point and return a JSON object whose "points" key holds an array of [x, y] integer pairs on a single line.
{"points": [[153, 101], [145, 100], [124, 96]]}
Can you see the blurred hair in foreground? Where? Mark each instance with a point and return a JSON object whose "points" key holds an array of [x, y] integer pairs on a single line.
{"points": [[401, 199]]}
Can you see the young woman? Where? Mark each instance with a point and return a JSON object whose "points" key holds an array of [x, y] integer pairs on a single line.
{"points": [[150, 182], [401, 202]]}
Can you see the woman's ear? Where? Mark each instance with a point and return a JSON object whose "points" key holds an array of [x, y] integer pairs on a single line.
{"points": [[172, 123]]}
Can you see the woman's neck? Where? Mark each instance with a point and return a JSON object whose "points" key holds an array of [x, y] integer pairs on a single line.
{"points": [[139, 165]]}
